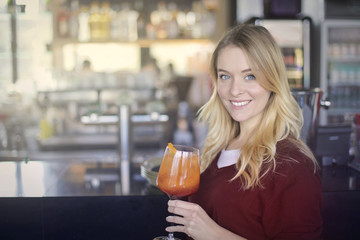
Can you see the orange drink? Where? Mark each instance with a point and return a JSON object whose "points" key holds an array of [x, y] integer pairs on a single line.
{"points": [[179, 173]]}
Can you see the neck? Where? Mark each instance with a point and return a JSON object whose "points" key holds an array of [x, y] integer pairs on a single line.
{"points": [[239, 141], [246, 130]]}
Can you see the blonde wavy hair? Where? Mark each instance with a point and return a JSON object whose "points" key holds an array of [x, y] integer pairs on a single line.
{"points": [[282, 117]]}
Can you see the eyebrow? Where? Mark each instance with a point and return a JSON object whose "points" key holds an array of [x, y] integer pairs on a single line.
{"points": [[243, 71]]}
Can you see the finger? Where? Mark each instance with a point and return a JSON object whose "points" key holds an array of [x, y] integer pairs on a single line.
{"points": [[176, 228], [181, 228], [180, 211], [182, 204], [176, 220]]}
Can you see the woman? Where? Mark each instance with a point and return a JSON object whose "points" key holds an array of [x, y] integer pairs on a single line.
{"points": [[259, 180]]}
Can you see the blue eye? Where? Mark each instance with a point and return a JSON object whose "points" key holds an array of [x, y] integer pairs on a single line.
{"points": [[224, 77], [250, 77]]}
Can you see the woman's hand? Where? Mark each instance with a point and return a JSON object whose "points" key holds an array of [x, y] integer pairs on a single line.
{"points": [[195, 222]]}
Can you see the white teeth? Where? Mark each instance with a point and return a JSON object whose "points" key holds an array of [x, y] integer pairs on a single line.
{"points": [[238, 104]]}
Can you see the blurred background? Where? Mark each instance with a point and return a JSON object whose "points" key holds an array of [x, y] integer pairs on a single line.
{"points": [[68, 67]]}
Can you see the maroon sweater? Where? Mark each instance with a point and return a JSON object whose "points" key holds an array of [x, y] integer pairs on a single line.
{"points": [[288, 207]]}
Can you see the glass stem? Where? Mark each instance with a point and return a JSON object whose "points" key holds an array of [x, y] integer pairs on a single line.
{"points": [[171, 235]]}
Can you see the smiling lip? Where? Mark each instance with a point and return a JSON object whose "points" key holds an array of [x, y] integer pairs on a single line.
{"points": [[239, 103]]}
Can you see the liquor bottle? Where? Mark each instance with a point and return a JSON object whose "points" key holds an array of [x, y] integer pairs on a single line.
{"points": [[74, 19], [141, 20], [83, 19], [94, 21], [203, 22], [190, 18], [172, 26], [159, 19], [63, 22], [208, 20], [198, 19], [128, 23], [181, 21], [132, 21], [105, 20], [115, 21]]}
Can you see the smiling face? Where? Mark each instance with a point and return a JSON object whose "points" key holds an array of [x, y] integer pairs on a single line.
{"points": [[239, 89]]}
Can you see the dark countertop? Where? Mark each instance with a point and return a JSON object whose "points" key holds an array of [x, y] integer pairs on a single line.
{"points": [[80, 196], [340, 178]]}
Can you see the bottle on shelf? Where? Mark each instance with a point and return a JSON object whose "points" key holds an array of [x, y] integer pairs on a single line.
{"points": [[83, 19], [74, 19], [208, 22], [94, 21], [181, 22], [197, 28], [159, 19], [114, 25], [105, 20], [63, 22], [127, 18], [190, 20], [141, 20], [172, 27], [122, 21], [150, 28]]}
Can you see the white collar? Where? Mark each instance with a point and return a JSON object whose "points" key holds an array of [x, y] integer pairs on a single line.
{"points": [[228, 157]]}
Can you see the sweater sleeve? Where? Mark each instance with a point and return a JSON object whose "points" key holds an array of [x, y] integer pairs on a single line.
{"points": [[294, 203]]}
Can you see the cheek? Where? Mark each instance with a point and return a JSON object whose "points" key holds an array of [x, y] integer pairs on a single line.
{"points": [[265, 95], [221, 94], [218, 90], [221, 90]]}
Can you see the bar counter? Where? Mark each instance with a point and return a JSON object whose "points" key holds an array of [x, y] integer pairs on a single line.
{"points": [[81, 197]]}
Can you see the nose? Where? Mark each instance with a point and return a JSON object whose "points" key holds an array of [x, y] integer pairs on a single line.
{"points": [[237, 87]]}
